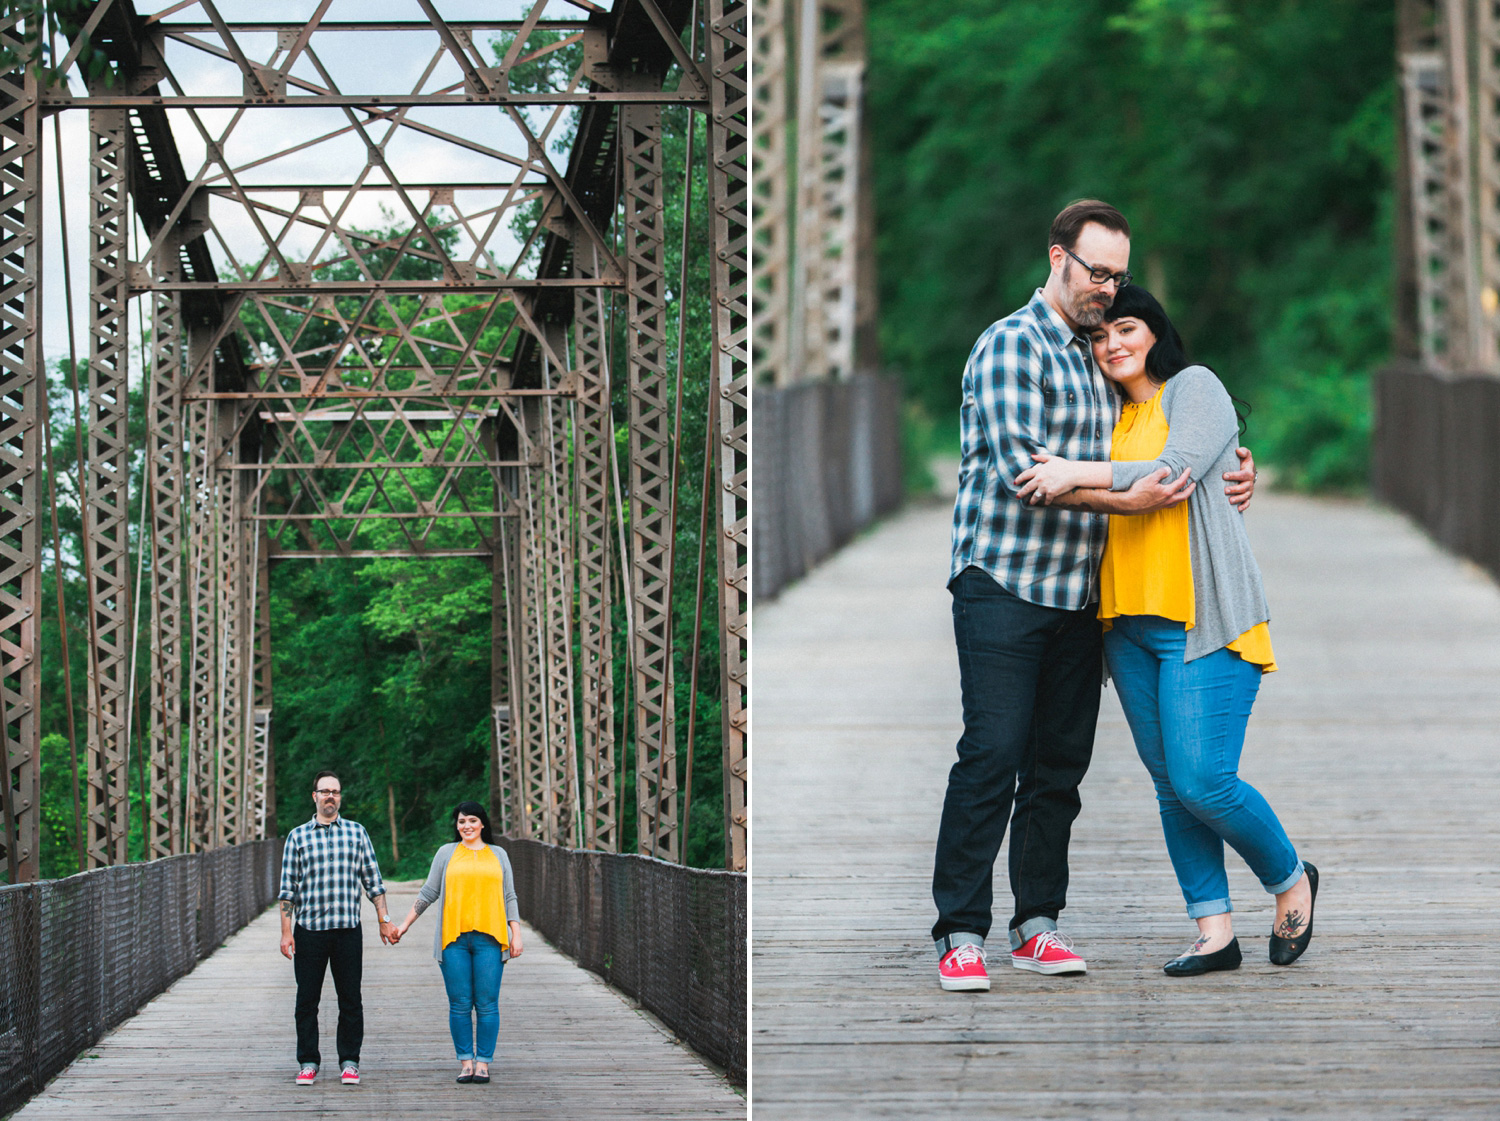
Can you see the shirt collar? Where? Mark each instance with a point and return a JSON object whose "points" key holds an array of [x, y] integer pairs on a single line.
{"points": [[318, 821], [1052, 321]]}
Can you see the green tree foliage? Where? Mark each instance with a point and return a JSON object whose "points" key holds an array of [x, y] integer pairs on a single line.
{"points": [[1249, 143]]}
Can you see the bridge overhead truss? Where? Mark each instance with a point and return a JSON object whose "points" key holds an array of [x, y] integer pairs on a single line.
{"points": [[314, 390]]}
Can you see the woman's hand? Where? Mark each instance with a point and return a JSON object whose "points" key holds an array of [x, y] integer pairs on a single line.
{"points": [[1051, 478], [515, 940]]}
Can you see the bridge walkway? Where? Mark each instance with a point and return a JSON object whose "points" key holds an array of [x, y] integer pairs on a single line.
{"points": [[220, 1043], [1376, 743]]}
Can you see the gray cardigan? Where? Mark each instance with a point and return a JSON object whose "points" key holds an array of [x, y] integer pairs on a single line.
{"points": [[1228, 595], [432, 892]]}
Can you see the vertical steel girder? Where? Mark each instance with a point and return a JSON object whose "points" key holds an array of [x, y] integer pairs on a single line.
{"points": [[593, 438], [772, 255], [830, 66], [539, 796], [650, 483], [202, 601], [262, 769], [21, 385], [164, 465], [729, 191], [553, 486], [229, 534], [107, 531], [506, 609]]}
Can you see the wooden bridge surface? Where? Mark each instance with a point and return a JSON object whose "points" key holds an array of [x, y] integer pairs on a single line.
{"points": [[220, 1042], [1378, 743]]}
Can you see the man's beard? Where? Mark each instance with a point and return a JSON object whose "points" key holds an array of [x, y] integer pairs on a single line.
{"points": [[1087, 308]]}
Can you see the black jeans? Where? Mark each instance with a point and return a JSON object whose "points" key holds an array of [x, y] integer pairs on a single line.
{"points": [[1030, 677], [315, 951]]}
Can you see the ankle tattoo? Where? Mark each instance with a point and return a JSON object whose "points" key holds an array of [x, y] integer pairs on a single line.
{"points": [[1291, 924]]}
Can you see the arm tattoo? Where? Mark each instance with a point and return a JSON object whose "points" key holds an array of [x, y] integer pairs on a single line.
{"points": [[287, 908]]}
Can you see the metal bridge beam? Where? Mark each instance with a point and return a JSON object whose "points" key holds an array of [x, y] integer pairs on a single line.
{"points": [[22, 383], [729, 196]]}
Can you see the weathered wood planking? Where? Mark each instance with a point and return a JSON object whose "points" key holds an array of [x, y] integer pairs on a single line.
{"points": [[1378, 744], [221, 1042]]}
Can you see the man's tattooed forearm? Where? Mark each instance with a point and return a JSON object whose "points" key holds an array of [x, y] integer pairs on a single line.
{"points": [[286, 907]]}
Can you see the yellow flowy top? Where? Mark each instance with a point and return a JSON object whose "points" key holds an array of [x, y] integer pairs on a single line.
{"points": [[1148, 564], [474, 895]]}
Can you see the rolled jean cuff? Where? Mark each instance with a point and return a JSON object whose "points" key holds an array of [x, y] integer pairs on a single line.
{"points": [[1020, 935], [957, 938], [1209, 907], [1286, 884], [465, 1056]]}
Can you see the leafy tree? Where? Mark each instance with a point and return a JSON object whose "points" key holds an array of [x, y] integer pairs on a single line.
{"points": [[1255, 174]]}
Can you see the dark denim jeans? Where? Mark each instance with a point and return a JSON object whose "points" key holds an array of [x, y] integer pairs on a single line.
{"points": [[1031, 678], [315, 952]]}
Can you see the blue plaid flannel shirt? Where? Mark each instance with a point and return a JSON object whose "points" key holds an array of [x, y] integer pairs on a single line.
{"points": [[1030, 385], [322, 868]]}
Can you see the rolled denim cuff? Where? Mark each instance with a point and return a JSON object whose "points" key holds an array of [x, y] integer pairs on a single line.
{"points": [[1209, 907], [959, 938], [1029, 929], [1286, 884]]}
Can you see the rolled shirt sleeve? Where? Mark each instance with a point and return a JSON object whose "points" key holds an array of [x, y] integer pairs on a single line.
{"points": [[1005, 379]]}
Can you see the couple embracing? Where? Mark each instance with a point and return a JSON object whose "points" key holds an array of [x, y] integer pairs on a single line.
{"points": [[324, 866], [1087, 518]]}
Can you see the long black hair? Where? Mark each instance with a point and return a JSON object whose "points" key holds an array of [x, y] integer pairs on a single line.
{"points": [[473, 809], [1167, 357]]}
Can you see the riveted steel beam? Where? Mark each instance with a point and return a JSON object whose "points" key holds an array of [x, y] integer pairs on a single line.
{"points": [[21, 384]]}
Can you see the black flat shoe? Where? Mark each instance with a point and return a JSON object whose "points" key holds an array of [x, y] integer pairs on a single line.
{"points": [[1191, 965], [464, 1078], [1284, 951], [481, 1079]]}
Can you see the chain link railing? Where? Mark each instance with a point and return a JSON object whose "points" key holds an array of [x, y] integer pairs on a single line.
{"points": [[673, 938], [79, 956], [827, 462]]}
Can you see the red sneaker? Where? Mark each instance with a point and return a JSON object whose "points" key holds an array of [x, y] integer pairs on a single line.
{"points": [[350, 1075], [962, 969], [307, 1075], [1048, 952]]}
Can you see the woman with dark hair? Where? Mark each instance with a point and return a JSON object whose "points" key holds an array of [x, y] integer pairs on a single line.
{"points": [[1186, 636], [478, 932]]}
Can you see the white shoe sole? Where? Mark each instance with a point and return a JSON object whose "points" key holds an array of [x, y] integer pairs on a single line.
{"points": [[1057, 967], [965, 984]]}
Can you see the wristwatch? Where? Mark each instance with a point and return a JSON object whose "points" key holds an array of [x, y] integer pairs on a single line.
{"points": [[385, 918]]}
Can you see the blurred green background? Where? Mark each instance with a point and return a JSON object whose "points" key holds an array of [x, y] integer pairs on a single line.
{"points": [[1250, 144]]}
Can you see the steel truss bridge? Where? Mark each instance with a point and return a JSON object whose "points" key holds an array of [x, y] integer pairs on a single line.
{"points": [[316, 391]]}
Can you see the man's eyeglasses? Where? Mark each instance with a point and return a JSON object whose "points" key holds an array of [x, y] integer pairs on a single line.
{"points": [[1101, 276], [330, 793]]}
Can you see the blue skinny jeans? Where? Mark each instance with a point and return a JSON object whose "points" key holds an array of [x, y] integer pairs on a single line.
{"points": [[471, 968], [1188, 720]]}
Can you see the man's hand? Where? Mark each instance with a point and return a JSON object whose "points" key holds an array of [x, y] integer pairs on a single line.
{"points": [[1156, 492], [389, 934], [288, 945], [1242, 482]]}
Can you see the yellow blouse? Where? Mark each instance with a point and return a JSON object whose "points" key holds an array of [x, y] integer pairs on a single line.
{"points": [[474, 895], [1148, 564]]}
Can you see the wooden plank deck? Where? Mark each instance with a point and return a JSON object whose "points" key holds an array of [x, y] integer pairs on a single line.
{"points": [[1378, 743], [220, 1042]]}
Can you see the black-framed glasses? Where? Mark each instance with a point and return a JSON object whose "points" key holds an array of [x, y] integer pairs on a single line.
{"points": [[1102, 276], [330, 793]]}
